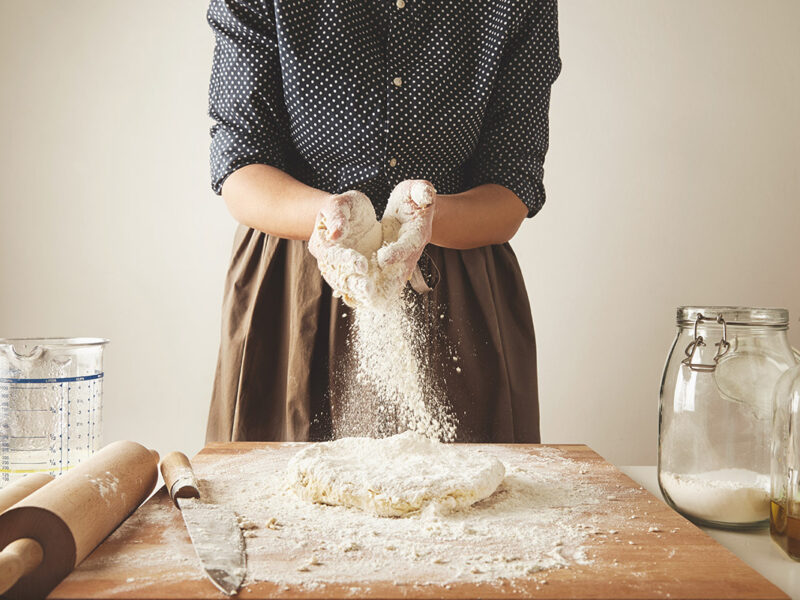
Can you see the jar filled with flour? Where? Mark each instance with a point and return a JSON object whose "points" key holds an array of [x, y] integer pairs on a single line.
{"points": [[715, 413]]}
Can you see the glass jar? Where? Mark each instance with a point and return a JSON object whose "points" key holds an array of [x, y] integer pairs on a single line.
{"points": [[784, 525], [715, 413]]}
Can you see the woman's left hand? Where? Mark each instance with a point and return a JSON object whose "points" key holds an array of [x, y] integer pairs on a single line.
{"points": [[410, 208]]}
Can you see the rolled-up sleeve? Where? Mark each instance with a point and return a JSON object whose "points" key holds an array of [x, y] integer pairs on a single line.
{"points": [[245, 92], [514, 139]]}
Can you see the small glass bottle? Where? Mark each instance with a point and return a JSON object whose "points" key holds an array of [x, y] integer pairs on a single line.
{"points": [[715, 413], [784, 525]]}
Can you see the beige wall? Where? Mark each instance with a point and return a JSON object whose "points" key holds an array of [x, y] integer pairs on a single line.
{"points": [[672, 178]]}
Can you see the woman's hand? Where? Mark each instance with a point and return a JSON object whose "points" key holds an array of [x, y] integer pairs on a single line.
{"points": [[409, 211], [345, 234]]}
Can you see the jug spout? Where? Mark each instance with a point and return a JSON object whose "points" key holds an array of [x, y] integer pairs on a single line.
{"points": [[22, 350]]}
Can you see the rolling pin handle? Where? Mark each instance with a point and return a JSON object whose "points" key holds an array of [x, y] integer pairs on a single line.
{"points": [[19, 558], [179, 476], [22, 556]]}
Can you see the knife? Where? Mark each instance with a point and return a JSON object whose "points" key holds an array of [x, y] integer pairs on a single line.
{"points": [[213, 529]]}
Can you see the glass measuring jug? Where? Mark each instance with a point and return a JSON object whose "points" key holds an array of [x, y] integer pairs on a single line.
{"points": [[50, 404]]}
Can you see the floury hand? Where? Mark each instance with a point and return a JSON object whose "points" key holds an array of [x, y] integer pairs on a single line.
{"points": [[367, 262], [410, 213], [344, 234]]}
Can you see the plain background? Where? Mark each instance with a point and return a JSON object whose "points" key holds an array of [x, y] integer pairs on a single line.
{"points": [[672, 178]]}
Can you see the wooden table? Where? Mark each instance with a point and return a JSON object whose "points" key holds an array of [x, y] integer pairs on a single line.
{"points": [[683, 562], [754, 547]]}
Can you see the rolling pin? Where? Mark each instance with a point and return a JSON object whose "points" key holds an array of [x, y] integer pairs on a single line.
{"points": [[21, 488], [46, 534]]}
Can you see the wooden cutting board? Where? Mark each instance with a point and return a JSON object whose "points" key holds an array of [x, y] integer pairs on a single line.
{"points": [[678, 561]]}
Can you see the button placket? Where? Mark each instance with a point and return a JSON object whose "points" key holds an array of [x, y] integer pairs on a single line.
{"points": [[398, 23]]}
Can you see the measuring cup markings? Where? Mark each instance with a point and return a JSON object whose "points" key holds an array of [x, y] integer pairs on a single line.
{"points": [[73, 423], [50, 404]]}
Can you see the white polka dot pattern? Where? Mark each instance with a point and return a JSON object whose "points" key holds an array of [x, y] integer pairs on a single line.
{"points": [[362, 94]]}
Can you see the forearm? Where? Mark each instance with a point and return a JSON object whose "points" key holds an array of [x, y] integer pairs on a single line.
{"points": [[484, 215], [272, 201]]}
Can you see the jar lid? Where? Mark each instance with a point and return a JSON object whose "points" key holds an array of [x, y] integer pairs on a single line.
{"points": [[735, 315]]}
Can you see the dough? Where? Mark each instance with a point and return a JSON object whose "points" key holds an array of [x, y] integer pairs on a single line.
{"points": [[395, 476], [364, 266]]}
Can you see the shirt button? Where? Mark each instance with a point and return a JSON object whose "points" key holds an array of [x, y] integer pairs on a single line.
{"points": [[397, 81], [392, 162], [401, 3]]}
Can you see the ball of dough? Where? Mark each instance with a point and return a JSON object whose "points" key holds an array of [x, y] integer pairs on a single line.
{"points": [[395, 476]]}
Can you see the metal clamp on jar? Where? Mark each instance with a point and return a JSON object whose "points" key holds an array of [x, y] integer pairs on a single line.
{"points": [[715, 413]]}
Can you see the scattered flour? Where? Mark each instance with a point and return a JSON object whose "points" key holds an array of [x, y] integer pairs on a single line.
{"points": [[395, 476], [534, 521], [106, 484], [545, 515], [725, 495]]}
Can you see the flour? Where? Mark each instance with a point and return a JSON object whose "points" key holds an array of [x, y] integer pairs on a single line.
{"points": [[531, 523], [106, 484], [350, 264], [544, 517], [365, 265], [726, 495], [389, 384], [393, 477]]}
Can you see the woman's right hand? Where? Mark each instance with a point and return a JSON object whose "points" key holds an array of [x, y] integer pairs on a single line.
{"points": [[345, 223]]}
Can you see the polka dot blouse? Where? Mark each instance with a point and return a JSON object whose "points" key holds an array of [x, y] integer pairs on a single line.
{"points": [[362, 94]]}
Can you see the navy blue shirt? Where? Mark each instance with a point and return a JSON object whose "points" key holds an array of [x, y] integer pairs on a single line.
{"points": [[362, 94]]}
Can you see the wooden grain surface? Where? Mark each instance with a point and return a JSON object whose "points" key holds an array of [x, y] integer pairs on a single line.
{"points": [[681, 562]]}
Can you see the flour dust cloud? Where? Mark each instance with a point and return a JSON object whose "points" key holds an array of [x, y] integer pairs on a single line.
{"points": [[389, 381]]}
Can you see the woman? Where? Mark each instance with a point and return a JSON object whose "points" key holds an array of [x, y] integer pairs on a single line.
{"points": [[312, 99]]}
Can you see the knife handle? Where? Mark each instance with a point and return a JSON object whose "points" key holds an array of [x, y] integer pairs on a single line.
{"points": [[179, 476]]}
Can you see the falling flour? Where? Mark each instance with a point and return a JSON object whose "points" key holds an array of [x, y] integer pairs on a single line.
{"points": [[389, 383], [725, 495]]}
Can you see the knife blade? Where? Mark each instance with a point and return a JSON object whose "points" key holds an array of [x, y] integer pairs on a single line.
{"points": [[213, 529]]}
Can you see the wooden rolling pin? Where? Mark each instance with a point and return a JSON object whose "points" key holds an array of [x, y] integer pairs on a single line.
{"points": [[46, 534], [22, 488]]}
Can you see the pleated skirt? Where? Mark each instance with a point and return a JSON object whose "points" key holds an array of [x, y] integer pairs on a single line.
{"points": [[285, 342]]}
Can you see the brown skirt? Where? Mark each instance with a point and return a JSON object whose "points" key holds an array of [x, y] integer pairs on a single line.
{"points": [[283, 334]]}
